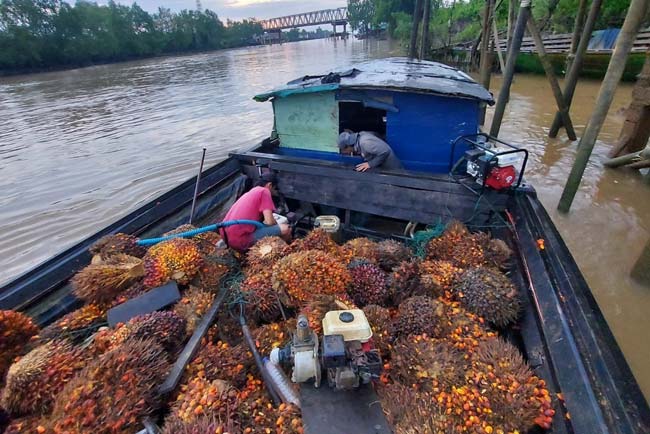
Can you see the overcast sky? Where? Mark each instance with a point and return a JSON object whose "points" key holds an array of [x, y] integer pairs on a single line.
{"points": [[238, 9]]}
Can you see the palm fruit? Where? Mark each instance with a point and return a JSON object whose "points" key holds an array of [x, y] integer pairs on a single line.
{"points": [[114, 244], [16, 330], [77, 325], [45, 369], [220, 360], [442, 247], [381, 323], [265, 253], [165, 328], [113, 393], [498, 254], [194, 304], [27, 425], [424, 417], [214, 267], [357, 248], [206, 241], [405, 282], [490, 294], [396, 398], [226, 329], [518, 398], [302, 274], [4, 418], [262, 301], [438, 277], [421, 315], [426, 363], [257, 415], [200, 425], [466, 330], [273, 335], [368, 285], [317, 239], [315, 310], [391, 253], [177, 259], [101, 283], [204, 398], [133, 291]]}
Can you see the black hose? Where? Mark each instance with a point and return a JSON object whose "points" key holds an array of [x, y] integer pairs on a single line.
{"points": [[258, 361]]}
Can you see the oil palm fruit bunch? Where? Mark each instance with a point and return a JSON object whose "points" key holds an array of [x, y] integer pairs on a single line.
{"points": [[443, 247], [368, 285], [114, 244], [27, 425], [301, 274], [518, 398], [200, 425], [16, 330], [101, 283], [489, 294], [257, 415], [262, 301], [204, 398], [391, 253], [439, 276], [165, 328], [317, 239], [427, 364], [34, 381], [421, 315], [77, 325], [396, 398], [498, 254], [381, 323], [192, 306], [226, 329], [316, 308], [466, 330], [136, 289], [214, 267], [265, 253], [206, 241], [178, 259], [4, 418], [405, 282], [112, 394], [358, 248], [219, 360], [273, 335]]}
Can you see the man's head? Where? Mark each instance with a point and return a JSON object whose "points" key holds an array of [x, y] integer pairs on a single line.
{"points": [[267, 180], [346, 142]]}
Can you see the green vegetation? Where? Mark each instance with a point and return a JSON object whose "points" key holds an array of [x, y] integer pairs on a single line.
{"points": [[37, 34]]}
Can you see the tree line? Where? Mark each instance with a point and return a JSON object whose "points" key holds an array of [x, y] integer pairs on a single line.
{"points": [[39, 34], [460, 20]]}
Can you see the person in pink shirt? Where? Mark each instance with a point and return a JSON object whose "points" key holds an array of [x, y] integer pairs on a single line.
{"points": [[257, 204]]}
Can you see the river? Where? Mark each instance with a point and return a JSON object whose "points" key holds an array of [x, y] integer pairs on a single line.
{"points": [[81, 148]]}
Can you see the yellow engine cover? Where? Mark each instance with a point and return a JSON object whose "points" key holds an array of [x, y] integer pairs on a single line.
{"points": [[352, 324]]}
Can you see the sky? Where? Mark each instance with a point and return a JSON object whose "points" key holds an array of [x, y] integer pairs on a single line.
{"points": [[239, 9]]}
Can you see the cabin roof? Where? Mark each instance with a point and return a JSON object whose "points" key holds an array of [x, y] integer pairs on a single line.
{"points": [[396, 73]]}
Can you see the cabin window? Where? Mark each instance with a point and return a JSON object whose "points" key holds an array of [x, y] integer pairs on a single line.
{"points": [[357, 117]]}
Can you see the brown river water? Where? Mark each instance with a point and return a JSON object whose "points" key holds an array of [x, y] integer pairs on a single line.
{"points": [[81, 148]]}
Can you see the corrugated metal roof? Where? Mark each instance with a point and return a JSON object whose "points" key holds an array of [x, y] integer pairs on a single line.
{"points": [[396, 73]]}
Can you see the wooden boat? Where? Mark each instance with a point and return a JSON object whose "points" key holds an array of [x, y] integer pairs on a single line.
{"points": [[428, 112]]}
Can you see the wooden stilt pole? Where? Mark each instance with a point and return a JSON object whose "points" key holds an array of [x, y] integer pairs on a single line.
{"points": [[641, 269], [634, 157], [571, 79], [486, 67], [508, 74], [413, 49], [497, 44], [424, 45], [577, 30], [635, 15], [550, 74], [512, 16]]}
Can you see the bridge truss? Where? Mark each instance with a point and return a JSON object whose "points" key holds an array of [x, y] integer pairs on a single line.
{"points": [[327, 16]]}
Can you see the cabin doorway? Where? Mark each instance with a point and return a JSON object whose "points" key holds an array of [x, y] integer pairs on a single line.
{"points": [[357, 117]]}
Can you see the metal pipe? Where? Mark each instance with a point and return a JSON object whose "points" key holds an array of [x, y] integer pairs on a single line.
{"points": [[624, 43], [196, 187], [513, 52], [258, 361]]}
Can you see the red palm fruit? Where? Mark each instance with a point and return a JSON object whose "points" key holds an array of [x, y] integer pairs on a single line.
{"points": [[438, 277], [204, 398], [113, 393], [200, 425], [165, 328], [215, 266], [114, 244], [73, 324], [421, 315], [405, 282], [219, 360], [177, 259], [391, 253], [498, 254], [490, 294], [368, 285], [273, 335], [28, 425], [315, 310], [262, 301], [45, 369], [381, 323], [194, 304], [317, 239], [265, 253], [206, 241], [302, 274], [358, 248], [133, 291], [466, 330], [16, 330], [101, 283], [427, 363]]}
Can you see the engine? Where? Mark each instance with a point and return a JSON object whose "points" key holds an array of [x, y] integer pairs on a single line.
{"points": [[345, 353], [499, 170]]}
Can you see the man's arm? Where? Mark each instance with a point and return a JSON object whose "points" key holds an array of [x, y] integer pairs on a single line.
{"points": [[373, 145], [269, 220]]}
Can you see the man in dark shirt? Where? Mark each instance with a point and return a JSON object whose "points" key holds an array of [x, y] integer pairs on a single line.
{"points": [[374, 150]]}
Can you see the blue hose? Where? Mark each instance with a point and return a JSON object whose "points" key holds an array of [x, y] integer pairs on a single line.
{"points": [[193, 232]]}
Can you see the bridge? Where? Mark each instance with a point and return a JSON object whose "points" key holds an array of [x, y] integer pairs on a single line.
{"points": [[338, 16]]}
